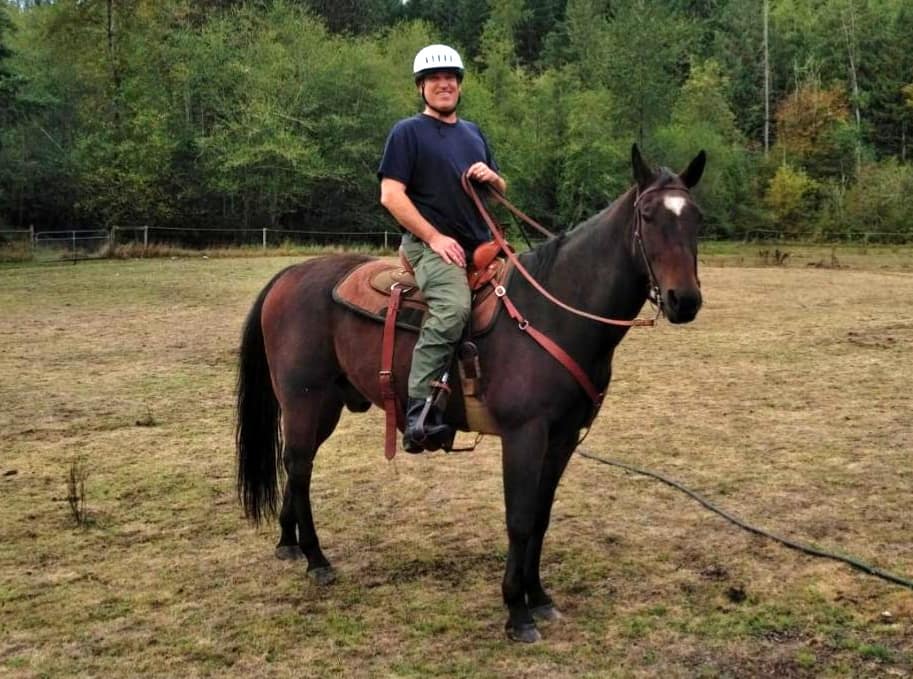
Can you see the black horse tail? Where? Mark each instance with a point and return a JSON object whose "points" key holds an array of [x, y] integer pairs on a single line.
{"points": [[257, 436]]}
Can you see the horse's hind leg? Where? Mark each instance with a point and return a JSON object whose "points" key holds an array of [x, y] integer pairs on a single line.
{"points": [[288, 525], [308, 419]]}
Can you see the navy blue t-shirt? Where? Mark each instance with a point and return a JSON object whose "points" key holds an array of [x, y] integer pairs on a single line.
{"points": [[429, 157]]}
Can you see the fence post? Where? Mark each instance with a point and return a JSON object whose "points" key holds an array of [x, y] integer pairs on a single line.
{"points": [[386, 246], [32, 239], [264, 238], [145, 239], [74, 246]]}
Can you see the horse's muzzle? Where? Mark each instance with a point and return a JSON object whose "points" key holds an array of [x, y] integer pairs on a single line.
{"points": [[681, 305]]}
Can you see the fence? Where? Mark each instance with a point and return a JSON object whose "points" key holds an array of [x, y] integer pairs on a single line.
{"points": [[75, 245], [816, 237], [72, 244], [263, 237]]}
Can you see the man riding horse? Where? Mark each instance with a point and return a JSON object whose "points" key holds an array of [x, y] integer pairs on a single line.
{"points": [[424, 159]]}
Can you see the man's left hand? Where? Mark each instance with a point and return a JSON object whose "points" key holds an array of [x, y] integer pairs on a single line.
{"points": [[480, 172]]}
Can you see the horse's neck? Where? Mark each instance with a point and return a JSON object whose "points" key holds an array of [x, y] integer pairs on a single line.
{"points": [[599, 257]]}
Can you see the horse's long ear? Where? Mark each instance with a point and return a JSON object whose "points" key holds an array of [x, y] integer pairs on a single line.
{"points": [[643, 175], [692, 174]]}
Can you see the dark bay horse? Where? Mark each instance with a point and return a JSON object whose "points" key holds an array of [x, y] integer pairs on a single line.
{"points": [[304, 357]]}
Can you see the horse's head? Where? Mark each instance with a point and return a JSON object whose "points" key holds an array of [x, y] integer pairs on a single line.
{"points": [[666, 224]]}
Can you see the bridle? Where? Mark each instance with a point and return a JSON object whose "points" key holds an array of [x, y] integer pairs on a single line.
{"points": [[549, 345], [655, 293]]}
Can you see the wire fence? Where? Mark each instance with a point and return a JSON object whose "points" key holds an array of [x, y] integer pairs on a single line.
{"points": [[80, 244], [264, 238], [819, 237]]}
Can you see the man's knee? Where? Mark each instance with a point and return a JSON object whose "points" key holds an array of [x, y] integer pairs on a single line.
{"points": [[453, 322]]}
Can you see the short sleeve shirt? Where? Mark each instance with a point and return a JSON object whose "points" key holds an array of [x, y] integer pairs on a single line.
{"points": [[429, 157]]}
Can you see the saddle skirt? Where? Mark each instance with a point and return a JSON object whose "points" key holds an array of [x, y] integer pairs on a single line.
{"points": [[366, 290]]}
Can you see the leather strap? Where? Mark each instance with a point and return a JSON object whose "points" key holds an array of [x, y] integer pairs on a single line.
{"points": [[552, 348], [511, 255], [387, 390]]}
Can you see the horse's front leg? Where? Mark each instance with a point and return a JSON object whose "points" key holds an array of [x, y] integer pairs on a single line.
{"points": [[561, 445], [523, 450]]}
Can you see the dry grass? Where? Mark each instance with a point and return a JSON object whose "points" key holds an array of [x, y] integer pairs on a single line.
{"points": [[788, 401], [286, 249]]}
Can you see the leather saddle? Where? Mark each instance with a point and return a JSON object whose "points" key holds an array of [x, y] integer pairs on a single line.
{"points": [[385, 290], [366, 290]]}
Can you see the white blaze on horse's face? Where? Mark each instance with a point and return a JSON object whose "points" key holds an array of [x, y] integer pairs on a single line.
{"points": [[674, 204], [670, 226]]}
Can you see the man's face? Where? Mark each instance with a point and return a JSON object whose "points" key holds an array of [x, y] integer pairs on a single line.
{"points": [[442, 90]]}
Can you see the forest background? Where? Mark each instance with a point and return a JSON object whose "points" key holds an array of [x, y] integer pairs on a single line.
{"points": [[273, 113]]}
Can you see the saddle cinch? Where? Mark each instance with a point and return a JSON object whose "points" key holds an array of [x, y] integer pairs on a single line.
{"points": [[385, 290]]}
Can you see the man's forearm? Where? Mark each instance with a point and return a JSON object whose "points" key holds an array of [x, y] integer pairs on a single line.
{"points": [[404, 211]]}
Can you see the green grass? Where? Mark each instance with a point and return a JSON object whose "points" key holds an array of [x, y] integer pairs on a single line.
{"points": [[788, 400], [808, 255]]}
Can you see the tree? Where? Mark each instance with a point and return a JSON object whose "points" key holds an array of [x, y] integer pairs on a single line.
{"points": [[878, 205], [540, 18], [702, 119], [37, 184], [460, 22], [792, 197], [815, 130], [595, 156], [587, 34], [355, 16], [908, 94], [887, 68], [12, 105], [738, 45], [647, 63]]}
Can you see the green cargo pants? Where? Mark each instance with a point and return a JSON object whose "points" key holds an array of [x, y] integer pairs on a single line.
{"points": [[447, 293]]}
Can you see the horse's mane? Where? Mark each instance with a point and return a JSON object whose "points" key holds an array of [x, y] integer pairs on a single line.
{"points": [[540, 259]]}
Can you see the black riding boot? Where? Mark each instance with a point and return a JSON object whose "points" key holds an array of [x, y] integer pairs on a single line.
{"points": [[425, 427]]}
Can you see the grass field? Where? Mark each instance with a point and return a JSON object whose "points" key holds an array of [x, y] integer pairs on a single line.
{"points": [[788, 401]]}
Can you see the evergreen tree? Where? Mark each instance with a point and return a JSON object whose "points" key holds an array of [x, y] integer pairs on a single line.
{"points": [[10, 83], [649, 45], [459, 22], [355, 16]]}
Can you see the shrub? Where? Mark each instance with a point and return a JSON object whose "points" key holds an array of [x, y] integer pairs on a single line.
{"points": [[792, 197]]}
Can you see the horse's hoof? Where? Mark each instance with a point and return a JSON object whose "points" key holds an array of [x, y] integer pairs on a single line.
{"points": [[322, 576], [527, 634], [547, 613], [289, 552]]}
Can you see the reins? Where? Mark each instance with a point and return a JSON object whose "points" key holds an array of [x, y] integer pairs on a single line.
{"points": [[512, 257], [549, 345]]}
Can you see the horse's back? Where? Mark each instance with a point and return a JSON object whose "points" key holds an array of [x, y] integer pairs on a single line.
{"points": [[317, 274]]}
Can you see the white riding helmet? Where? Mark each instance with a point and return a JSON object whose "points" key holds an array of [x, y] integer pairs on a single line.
{"points": [[437, 58]]}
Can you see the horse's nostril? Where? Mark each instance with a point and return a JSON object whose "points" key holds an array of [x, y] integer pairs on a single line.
{"points": [[682, 307]]}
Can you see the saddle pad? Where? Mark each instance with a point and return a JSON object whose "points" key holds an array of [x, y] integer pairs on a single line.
{"points": [[366, 290]]}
